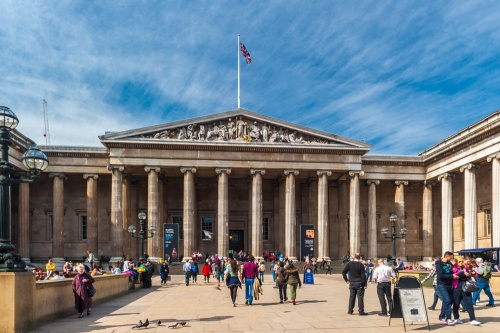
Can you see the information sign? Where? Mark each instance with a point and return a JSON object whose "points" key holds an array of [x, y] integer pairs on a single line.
{"points": [[171, 241], [306, 240]]}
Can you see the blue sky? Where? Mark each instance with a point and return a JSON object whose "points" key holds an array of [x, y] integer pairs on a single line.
{"points": [[400, 75]]}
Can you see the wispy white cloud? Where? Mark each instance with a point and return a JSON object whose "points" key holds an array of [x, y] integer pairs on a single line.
{"points": [[400, 76]]}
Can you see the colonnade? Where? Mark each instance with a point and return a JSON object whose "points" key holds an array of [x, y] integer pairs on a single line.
{"points": [[286, 217]]}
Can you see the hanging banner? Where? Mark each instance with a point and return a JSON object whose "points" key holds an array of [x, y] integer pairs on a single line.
{"points": [[306, 240], [171, 242]]}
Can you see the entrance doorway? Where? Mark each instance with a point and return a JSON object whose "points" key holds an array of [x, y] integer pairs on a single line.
{"points": [[236, 240]]}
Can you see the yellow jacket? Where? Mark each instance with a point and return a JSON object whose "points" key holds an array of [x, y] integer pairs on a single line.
{"points": [[50, 267]]}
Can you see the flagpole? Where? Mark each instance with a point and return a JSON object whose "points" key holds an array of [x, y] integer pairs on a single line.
{"points": [[238, 55]]}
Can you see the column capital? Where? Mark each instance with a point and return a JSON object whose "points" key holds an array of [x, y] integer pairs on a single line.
{"points": [[221, 170], [120, 168], [428, 183], [57, 175], [291, 171], [401, 182], [372, 181], [90, 176], [149, 168], [446, 175], [186, 169], [254, 171], [360, 173], [328, 173], [493, 157], [469, 166]]}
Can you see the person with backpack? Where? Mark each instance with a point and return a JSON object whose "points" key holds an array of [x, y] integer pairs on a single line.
{"points": [[281, 281], [483, 276], [194, 271]]}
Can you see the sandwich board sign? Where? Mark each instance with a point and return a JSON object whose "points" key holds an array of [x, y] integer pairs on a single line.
{"points": [[409, 302]]}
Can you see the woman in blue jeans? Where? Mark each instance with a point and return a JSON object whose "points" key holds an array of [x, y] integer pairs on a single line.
{"points": [[249, 273]]}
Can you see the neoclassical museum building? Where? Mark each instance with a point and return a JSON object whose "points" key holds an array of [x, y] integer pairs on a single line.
{"points": [[242, 180]]}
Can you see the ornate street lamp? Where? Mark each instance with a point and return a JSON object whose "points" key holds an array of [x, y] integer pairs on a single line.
{"points": [[393, 218], [142, 233], [35, 162]]}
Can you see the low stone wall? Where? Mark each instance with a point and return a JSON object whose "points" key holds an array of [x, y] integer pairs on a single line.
{"points": [[494, 281], [27, 303]]}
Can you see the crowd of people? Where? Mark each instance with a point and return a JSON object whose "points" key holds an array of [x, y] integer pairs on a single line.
{"points": [[457, 282]]}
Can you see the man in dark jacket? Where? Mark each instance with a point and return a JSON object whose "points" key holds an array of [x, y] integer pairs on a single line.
{"points": [[444, 279], [357, 283]]}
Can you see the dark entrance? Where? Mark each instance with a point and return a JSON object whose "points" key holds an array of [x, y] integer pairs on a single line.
{"points": [[236, 241]]}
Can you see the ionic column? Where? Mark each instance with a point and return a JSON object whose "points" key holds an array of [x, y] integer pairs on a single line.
{"points": [[127, 240], [372, 218], [189, 213], [24, 220], [92, 232], [427, 221], [354, 220], [290, 214], [323, 230], [58, 215], [223, 212], [155, 243], [446, 215], [344, 221], [495, 199], [116, 212], [470, 209], [399, 203], [257, 242]]}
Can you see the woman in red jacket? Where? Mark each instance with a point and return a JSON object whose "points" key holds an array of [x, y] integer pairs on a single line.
{"points": [[206, 270]]}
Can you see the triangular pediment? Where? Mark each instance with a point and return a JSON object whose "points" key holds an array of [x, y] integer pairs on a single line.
{"points": [[236, 127]]}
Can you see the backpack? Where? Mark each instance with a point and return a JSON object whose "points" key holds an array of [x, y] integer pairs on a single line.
{"points": [[194, 268], [487, 271]]}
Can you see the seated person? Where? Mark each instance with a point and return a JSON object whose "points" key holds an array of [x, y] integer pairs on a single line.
{"points": [[55, 276], [116, 269]]}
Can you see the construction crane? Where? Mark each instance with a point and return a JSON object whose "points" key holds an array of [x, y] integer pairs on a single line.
{"points": [[46, 118]]}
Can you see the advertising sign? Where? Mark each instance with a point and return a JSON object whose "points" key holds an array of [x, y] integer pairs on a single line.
{"points": [[306, 240], [171, 242]]}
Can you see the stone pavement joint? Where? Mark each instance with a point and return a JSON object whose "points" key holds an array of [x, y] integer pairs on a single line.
{"points": [[322, 307]]}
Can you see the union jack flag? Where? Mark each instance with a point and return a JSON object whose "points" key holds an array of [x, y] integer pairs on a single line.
{"points": [[245, 53]]}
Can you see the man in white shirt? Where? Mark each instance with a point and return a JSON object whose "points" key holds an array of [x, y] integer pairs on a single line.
{"points": [[187, 272], [382, 275]]}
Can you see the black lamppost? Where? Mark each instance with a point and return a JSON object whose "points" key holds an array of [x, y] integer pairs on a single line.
{"points": [[142, 234], [35, 162], [393, 218]]}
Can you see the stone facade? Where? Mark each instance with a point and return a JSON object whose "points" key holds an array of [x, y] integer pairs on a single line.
{"points": [[258, 179]]}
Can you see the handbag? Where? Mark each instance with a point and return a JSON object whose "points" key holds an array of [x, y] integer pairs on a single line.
{"points": [[469, 286], [91, 290]]}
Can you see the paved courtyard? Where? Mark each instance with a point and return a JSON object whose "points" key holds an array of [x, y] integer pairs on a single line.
{"points": [[322, 307]]}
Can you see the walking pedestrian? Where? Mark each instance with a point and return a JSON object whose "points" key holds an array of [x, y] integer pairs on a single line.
{"points": [[292, 279], [369, 270], [80, 283], [382, 275], [280, 279], [483, 275], [164, 271], [459, 296], [186, 268], [249, 273], [437, 294], [206, 272], [234, 280], [445, 277], [357, 284], [194, 271], [262, 270]]}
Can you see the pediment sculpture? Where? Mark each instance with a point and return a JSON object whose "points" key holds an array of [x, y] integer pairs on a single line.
{"points": [[237, 130]]}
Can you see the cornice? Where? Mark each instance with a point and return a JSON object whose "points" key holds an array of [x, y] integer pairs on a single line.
{"points": [[275, 148]]}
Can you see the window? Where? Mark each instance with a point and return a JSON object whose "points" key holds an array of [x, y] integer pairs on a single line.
{"points": [[178, 220], [50, 229], [83, 227], [420, 229], [487, 222], [265, 229], [207, 224]]}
